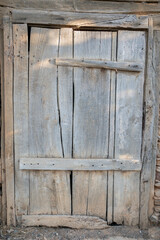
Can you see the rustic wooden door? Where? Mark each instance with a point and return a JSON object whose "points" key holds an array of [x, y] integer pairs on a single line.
{"points": [[78, 104]]}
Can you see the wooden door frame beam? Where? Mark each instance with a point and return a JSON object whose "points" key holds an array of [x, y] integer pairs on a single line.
{"points": [[150, 119], [8, 119]]}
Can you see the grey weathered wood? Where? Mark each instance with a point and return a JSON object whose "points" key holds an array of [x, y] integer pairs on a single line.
{"points": [[44, 4], [90, 85], [65, 91], [156, 76], [79, 164], [128, 137], [8, 119], [45, 126], [129, 96], [3, 208], [85, 6], [74, 221], [116, 7], [150, 129], [20, 37], [112, 65], [126, 198], [112, 132], [79, 20]]}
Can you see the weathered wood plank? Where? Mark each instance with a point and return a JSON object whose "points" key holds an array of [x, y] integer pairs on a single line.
{"points": [[74, 221], [80, 20], [65, 91], [85, 6], [79, 164], [8, 119], [45, 130], [88, 87], [126, 198], [65, 108], [129, 96], [91, 89], [3, 211], [97, 194], [112, 65], [128, 138], [116, 7], [150, 129], [20, 37], [42, 4], [44, 134], [112, 131]]}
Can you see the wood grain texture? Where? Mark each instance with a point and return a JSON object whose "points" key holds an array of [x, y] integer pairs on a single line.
{"points": [[20, 37], [116, 7], [110, 202], [129, 96], [3, 202], [128, 138], [91, 114], [42, 4], [79, 164], [156, 76], [111, 65], [150, 130], [74, 221], [8, 119], [80, 20], [45, 125], [65, 91], [84, 5], [126, 198]]}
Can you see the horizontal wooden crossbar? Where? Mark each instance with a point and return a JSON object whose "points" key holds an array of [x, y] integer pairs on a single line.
{"points": [[74, 221], [80, 20], [121, 66], [79, 164]]}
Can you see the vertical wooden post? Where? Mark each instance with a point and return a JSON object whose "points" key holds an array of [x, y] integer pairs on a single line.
{"points": [[8, 119], [3, 211], [149, 135]]}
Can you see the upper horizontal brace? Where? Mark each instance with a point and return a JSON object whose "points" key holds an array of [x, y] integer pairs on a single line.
{"points": [[120, 66], [80, 20]]}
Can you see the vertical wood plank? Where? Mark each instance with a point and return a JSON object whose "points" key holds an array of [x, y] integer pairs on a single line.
{"points": [[112, 132], [20, 38], [46, 131], [150, 130], [65, 93], [91, 111], [8, 118], [156, 77], [129, 105], [126, 198], [3, 212]]}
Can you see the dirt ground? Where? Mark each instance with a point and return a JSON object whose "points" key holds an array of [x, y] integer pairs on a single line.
{"points": [[111, 233]]}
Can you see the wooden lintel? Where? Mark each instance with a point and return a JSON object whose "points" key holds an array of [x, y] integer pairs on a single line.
{"points": [[120, 66], [74, 221], [79, 164], [80, 20]]}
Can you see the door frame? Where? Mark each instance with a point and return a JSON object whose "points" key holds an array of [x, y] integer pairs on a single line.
{"points": [[150, 109]]}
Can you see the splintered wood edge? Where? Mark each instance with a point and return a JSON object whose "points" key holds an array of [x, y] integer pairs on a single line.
{"points": [[74, 221], [79, 164]]}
